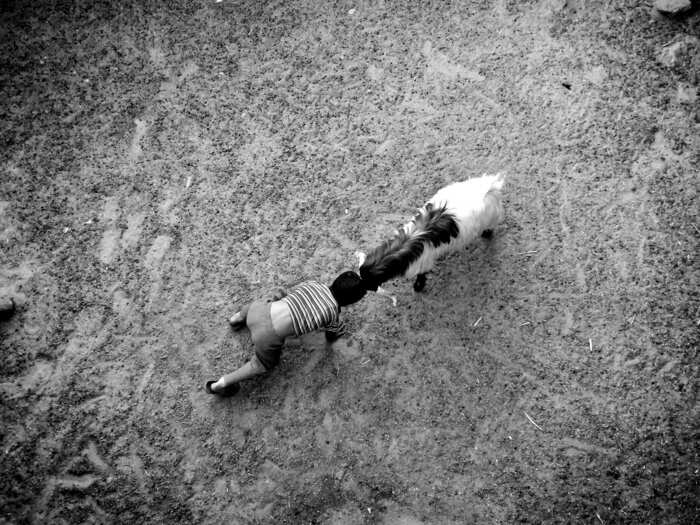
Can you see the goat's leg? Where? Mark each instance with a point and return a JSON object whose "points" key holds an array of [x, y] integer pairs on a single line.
{"points": [[419, 283]]}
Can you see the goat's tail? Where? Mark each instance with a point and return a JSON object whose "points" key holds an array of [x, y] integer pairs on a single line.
{"points": [[432, 225]]}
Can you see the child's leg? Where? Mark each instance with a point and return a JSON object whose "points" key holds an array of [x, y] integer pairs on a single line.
{"points": [[250, 369], [237, 320], [268, 348]]}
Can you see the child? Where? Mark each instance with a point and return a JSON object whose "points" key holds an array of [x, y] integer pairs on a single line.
{"points": [[309, 306]]}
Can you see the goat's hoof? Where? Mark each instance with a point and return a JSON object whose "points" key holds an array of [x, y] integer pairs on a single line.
{"points": [[487, 234]]}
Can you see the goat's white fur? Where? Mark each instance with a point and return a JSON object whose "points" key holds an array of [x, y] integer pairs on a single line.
{"points": [[476, 206]]}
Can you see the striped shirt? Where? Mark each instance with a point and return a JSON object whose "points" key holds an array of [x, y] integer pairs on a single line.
{"points": [[312, 306]]}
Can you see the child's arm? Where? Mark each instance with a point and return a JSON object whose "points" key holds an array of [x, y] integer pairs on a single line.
{"points": [[335, 330]]}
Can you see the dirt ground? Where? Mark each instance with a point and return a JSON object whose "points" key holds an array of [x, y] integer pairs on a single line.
{"points": [[160, 166]]}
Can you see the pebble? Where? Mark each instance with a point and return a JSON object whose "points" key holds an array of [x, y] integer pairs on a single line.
{"points": [[686, 94], [671, 54], [672, 7]]}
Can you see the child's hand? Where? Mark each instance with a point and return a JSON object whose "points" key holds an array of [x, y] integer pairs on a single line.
{"points": [[237, 321], [338, 331]]}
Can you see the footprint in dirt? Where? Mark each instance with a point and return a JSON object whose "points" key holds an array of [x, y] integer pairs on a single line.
{"points": [[135, 150], [113, 239], [440, 66], [156, 252], [153, 262], [132, 234], [110, 238]]}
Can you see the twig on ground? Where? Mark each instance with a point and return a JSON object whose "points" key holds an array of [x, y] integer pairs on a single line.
{"points": [[590, 344], [529, 252], [477, 322], [532, 421], [599, 519], [524, 324]]}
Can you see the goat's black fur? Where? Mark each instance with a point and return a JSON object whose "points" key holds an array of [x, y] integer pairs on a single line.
{"points": [[432, 226], [419, 283]]}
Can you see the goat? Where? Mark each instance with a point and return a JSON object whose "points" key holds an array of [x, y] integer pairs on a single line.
{"points": [[453, 218]]}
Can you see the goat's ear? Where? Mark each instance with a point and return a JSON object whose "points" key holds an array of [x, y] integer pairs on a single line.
{"points": [[361, 256]]}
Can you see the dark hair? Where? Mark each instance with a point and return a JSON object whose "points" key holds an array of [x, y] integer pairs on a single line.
{"points": [[347, 288]]}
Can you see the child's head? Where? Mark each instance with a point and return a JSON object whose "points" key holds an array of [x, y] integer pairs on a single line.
{"points": [[348, 288]]}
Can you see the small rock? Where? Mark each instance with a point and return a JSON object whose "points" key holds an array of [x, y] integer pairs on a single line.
{"points": [[596, 75], [374, 73], [671, 54], [672, 7], [686, 93]]}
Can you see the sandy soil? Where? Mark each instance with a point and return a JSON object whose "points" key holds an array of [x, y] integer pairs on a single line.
{"points": [[161, 166]]}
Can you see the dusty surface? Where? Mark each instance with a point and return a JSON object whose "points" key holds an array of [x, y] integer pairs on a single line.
{"points": [[161, 166]]}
